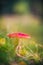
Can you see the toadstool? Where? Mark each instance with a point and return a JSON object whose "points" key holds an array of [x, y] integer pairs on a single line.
{"points": [[19, 36]]}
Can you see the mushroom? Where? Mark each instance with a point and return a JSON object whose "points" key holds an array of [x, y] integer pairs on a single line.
{"points": [[19, 36]]}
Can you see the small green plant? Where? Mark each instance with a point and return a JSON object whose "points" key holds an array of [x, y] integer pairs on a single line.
{"points": [[6, 50]]}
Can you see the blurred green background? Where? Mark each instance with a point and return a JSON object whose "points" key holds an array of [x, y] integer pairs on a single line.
{"points": [[22, 16]]}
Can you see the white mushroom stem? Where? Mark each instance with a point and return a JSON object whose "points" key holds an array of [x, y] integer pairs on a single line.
{"points": [[19, 45], [19, 48]]}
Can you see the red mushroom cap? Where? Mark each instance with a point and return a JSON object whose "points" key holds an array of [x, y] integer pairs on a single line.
{"points": [[18, 35]]}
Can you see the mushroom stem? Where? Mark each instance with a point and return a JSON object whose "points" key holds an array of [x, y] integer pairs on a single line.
{"points": [[19, 48]]}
